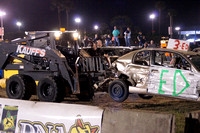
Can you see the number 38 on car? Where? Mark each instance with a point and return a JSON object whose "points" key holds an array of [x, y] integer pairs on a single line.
{"points": [[156, 71]]}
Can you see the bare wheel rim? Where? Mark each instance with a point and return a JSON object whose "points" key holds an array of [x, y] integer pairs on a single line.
{"points": [[117, 91]]}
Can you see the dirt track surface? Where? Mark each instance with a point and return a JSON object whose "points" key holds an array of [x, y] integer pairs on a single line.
{"points": [[157, 104]]}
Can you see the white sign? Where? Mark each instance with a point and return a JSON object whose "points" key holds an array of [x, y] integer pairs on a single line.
{"points": [[18, 116], [178, 44]]}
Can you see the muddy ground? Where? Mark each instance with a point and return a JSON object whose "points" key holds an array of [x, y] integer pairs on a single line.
{"points": [[158, 104]]}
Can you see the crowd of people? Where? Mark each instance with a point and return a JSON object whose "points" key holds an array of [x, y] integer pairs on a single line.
{"points": [[113, 40]]}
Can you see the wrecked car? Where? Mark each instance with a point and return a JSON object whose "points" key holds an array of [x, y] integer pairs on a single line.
{"points": [[157, 71], [196, 50], [114, 52]]}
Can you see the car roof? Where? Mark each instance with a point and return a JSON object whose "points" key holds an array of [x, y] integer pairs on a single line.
{"points": [[176, 51], [197, 48], [129, 55], [171, 50], [113, 47]]}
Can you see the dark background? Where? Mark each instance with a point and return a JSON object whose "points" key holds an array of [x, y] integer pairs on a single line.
{"points": [[38, 15]]}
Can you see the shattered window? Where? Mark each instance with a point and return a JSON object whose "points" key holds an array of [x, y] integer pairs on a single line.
{"points": [[142, 58], [158, 58], [172, 60], [163, 58], [180, 62], [196, 61]]}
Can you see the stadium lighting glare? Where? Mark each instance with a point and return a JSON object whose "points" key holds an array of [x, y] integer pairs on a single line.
{"points": [[19, 24], [152, 16], [77, 20], [2, 13], [96, 27], [177, 28]]}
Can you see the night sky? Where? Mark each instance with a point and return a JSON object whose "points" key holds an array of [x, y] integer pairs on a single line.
{"points": [[37, 14]]}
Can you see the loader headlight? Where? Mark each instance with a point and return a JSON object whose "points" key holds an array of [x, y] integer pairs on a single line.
{"points": [[76, 35], [57, 34]]}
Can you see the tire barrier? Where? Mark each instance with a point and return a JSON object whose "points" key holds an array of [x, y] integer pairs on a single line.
{"points": [[125, 121], [18, 116], [192, 122]]}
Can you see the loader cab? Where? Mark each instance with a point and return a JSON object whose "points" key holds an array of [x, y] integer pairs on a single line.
{"points": [[64, 42], [52, 39]]}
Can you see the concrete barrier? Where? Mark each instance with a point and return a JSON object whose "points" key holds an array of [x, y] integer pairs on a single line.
{"points": [[18, 116], [126, 121], [192, 122]]}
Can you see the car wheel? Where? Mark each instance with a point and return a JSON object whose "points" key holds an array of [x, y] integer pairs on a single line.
{"points": [[144, 96], [20, 87], [118, 90], [50, 90]]}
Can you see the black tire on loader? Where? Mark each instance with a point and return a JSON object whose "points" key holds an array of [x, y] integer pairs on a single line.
{"points": [[118, 90], [20, 87], [51, 90]]}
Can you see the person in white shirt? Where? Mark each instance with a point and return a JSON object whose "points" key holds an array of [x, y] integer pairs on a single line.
{"points": [[127, 37]]}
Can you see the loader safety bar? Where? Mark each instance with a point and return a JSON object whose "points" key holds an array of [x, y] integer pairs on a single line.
{"points": [[93, 64]]}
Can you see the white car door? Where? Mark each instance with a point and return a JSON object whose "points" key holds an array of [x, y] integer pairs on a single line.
{"points": [[175, 82]]}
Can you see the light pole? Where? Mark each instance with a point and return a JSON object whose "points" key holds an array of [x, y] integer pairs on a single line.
{"points": [[152, 17], [78, 21], [2, 28], [19, 24]]}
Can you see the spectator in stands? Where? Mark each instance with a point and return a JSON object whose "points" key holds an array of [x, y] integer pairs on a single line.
{"points": [[108, 40], [145, 45], [95, 51], [145, 53], [85, 41], [115, 35], [194, 45], [99, 43], [143, 40], [127, 37], [90, 43], [152, 44], [96, 38], [139, 38]]}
